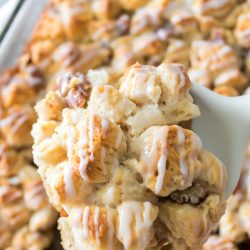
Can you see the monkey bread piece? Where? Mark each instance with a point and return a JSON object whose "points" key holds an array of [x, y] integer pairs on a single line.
{"points": [[107, 100], [185, 24], [168, 159], [89, 227], [175, 102], [233, 77], [77, 13], [148, 17], [20, 85], [177, 52], [129, 226], [123, 54], [105, 9], [84, 148], [149, 47], [11, 160], [200, 76], [107, 30], [208, 23], [60, 22], [186, 232], [226, 90], [242, 30], [19, 88], [213, 7], [216, 63], [161, 94], [125, 185], [74, 58], [139, 84], [171, 159], [15, 125], [26, 216], [213, 56], [119, 169]]}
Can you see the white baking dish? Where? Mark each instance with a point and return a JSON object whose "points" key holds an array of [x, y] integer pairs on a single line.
{"points": [[20, 31]]}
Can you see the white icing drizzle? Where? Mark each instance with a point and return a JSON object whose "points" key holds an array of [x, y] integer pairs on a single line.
{"points": [[96, 222], [86, 56], [105, 126], [226, 76], [66, 209], [83, 165], [85, 222], [223, 51], [200, 76], [86, 140], [160, 136], [119, 139], [161, 167], [141, 83], [196, 146], [111, 230], [149, 159], [19, 122], [152, 14], [68, 171], [219, 59], [215, 4], [36, 190], [66, 12], [91, 130], [77, 217], [181, 141], [67, 53], [179, 17], [196, 142], [139, 213], [125, 221], [9, 119], [68, 180], [179, 75]]}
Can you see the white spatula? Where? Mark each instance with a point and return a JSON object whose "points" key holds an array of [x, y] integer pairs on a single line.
{"points": [[224, 128]]}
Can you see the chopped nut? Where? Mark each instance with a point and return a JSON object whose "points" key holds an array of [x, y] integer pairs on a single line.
{"points": [[192, 195]]}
